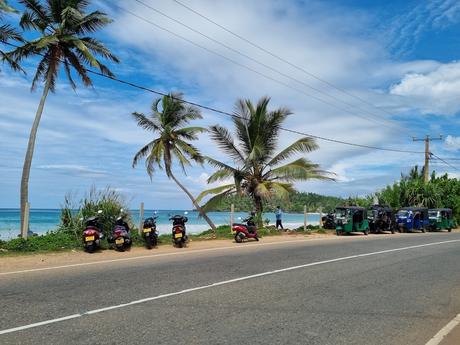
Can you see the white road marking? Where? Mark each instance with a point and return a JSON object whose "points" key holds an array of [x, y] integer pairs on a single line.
{"points": [[438, 338], [244, 246], [203, 287]]}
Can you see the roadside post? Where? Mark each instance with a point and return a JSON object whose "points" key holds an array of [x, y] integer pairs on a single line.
{"points": [[320, 217], [305, 218], [141, 218], [232, 215], [25, 226]]}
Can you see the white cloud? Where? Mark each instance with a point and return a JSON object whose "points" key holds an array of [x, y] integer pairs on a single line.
{"points": [[435, 92], [452, 143]]}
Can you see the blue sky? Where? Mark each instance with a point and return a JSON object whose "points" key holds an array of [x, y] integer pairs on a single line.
{"points": [[400, 56]]}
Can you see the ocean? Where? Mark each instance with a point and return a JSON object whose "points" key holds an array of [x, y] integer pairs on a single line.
{"points": [[43, 220]]}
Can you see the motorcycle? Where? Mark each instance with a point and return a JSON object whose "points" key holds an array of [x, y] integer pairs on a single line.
{"points": [[149, 231], [179, 236], [92, 234], [120, 238], [245, 231], [328, 221]]}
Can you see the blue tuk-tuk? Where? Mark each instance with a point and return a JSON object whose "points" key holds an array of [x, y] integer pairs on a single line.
{"points": [[409, 219]]}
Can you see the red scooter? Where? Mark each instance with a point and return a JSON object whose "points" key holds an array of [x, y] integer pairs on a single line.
{"points": [[92, 234], [245, 231]]}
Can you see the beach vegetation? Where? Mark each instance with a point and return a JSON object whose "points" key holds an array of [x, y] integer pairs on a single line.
{"points": [[65, 40], [168, 122], [260, 170]]}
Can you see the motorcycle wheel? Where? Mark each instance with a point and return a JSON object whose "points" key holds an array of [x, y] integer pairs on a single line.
{"points": [[148, 242], [179, 244], [257, 238], [90, 248], [154, 241], [238, 238], [120, 247]]}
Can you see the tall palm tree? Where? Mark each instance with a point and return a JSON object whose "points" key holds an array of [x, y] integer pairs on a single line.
{"points": [[63, 26], [258, 169], [7, 33], [167, 120]]}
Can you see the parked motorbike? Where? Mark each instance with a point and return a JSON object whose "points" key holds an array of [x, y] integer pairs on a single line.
{"points": [[92, 234], [328, 221], [121, 237], [150, 233], [179, 236], [245, 231]]}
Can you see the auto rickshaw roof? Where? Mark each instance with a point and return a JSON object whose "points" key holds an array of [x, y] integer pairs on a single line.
{"points": [[380, 207], [449, 210], [358, 208], [414, 208]]}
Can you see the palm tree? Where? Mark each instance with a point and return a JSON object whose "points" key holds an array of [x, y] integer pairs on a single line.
{"points": [[63, 26], [7, 33], [258, 169], [171, 143]]}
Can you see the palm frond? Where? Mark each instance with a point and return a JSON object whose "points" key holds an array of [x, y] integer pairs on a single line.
{"points": [[225, 141], [299, 170], [302, 145], [220, 175], [226, 188]]}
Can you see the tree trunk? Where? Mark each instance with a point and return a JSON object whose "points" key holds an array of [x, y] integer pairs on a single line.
{"points": [[259, 210], [197, 207], [30, 150]]}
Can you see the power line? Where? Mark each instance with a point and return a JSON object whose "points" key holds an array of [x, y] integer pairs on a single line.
{"points": [[280, 58], [382, 121], [446, 163], [225, 113], [393, 126]]}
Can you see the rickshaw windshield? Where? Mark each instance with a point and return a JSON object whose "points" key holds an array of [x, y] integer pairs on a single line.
{"points": [[341, 213], [433, 214], [403, 213]]}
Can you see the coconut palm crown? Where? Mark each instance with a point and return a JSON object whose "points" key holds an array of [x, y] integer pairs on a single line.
{"points": [[259, 170], [168, 117], [7, 33], [64, 39]]}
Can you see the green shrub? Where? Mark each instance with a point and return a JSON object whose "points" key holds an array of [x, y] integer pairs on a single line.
{"points": [[109, 201], [51, 241]]}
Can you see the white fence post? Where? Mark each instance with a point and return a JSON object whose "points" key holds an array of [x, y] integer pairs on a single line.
{"points": [[141, 218], [232, 216]]}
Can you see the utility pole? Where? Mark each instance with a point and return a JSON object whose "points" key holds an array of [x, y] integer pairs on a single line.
{"points": [[427, 140]]}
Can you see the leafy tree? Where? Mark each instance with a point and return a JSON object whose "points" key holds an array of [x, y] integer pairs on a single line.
{"points": [[259, 171], [167, 120], [64, 28]]}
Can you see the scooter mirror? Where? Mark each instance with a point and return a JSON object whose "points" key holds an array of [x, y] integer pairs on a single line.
{"points": [[155, 212], [99, 212], [121, 210], [81, 219], [185, 212], [239, 218]]}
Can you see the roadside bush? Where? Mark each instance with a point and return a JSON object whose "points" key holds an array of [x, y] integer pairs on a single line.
{"points": [[108, 200]]}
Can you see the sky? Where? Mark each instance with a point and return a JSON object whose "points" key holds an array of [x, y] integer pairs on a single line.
{"points": [[374, 73]]}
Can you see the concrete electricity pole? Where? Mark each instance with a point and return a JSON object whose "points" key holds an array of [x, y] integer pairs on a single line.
{"points": [[427, 140]]}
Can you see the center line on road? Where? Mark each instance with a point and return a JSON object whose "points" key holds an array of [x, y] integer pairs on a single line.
{"points": [[203, 287]]}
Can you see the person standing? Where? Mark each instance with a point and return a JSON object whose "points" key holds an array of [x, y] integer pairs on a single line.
{"points": [[279, 215]]}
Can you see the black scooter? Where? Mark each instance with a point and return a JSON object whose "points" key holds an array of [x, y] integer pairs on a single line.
{"points": [[179, 236], [150, 233]]}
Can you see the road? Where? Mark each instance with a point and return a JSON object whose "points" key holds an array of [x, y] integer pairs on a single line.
{"points": [[380, 289]]}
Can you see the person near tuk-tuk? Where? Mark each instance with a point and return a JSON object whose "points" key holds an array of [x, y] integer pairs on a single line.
{"points": [[279, 215]]}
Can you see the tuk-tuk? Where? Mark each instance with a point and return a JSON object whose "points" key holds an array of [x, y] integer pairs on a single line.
{"points": [[351, 219], [441, 219], [381, 218], [412, 218]]}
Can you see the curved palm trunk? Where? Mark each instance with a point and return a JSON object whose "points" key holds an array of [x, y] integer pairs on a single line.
{"points": [[197, 207], [30, 150]]}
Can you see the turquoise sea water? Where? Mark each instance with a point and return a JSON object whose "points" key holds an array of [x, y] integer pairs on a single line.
{"points": [[43, 220]]}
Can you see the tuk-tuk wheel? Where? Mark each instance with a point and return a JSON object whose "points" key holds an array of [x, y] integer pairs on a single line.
{"points": [[339, 232], [423, 230], [366, 232], [449, 229], [392, 231]]}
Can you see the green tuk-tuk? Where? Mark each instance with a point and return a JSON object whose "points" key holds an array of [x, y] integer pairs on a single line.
{"points": [[441, 219], [351, 219]]}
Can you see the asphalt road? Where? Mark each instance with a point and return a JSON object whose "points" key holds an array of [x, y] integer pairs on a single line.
{"points": [[389, 297]]}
